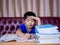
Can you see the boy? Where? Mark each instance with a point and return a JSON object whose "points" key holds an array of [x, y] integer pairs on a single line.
{"points": [[27, 29]]}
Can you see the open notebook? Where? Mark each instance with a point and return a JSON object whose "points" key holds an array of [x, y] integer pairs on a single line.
{"points": [[9, 37]]}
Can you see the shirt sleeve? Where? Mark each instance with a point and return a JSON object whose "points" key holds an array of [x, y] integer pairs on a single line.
{"points": [[21, 27]]}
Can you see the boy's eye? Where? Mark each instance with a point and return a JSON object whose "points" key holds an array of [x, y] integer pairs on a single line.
{"points": [[32, 20], [27, 20]]}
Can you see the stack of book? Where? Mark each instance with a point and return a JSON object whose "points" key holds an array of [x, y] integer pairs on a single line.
{"points": [[47, 34]]}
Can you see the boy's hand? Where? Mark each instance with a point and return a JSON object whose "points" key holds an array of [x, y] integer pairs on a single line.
{"points": [[34, 36], [26, 36], [37, 19]]}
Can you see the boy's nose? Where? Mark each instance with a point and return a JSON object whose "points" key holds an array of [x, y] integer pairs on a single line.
{"points": [[30, 22]]}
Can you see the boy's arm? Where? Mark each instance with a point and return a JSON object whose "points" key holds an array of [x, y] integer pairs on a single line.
{"points": [[37, 19], [19, 33]]}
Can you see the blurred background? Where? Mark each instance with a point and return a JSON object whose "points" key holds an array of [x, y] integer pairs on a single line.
{"points": [[17, 8]]}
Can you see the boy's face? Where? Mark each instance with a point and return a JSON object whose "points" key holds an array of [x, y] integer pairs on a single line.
{"points": [[29, 22]]}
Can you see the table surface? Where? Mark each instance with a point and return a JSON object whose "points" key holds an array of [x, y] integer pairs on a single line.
{"points": [[18, 43]]}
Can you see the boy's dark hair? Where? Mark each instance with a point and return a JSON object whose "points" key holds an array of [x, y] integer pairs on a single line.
{"points": [[29, 14]]}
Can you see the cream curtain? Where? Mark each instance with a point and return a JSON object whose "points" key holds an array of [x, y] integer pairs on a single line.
{"points": [[17, 8]]}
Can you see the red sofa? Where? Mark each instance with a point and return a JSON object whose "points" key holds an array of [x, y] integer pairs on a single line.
{"points": [[10, 24]]}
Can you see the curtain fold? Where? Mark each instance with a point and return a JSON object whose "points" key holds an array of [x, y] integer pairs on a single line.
{"points": [[17, 8]]}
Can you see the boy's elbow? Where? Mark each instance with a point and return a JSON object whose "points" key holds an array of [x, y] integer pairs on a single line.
{"points": [[17, 32]]}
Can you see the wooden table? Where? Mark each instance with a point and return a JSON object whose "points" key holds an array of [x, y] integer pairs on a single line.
{"points": [[18, 43], [13, 42]]}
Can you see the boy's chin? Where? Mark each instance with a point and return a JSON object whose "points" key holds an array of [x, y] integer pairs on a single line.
{"points": [[29, 27]]}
